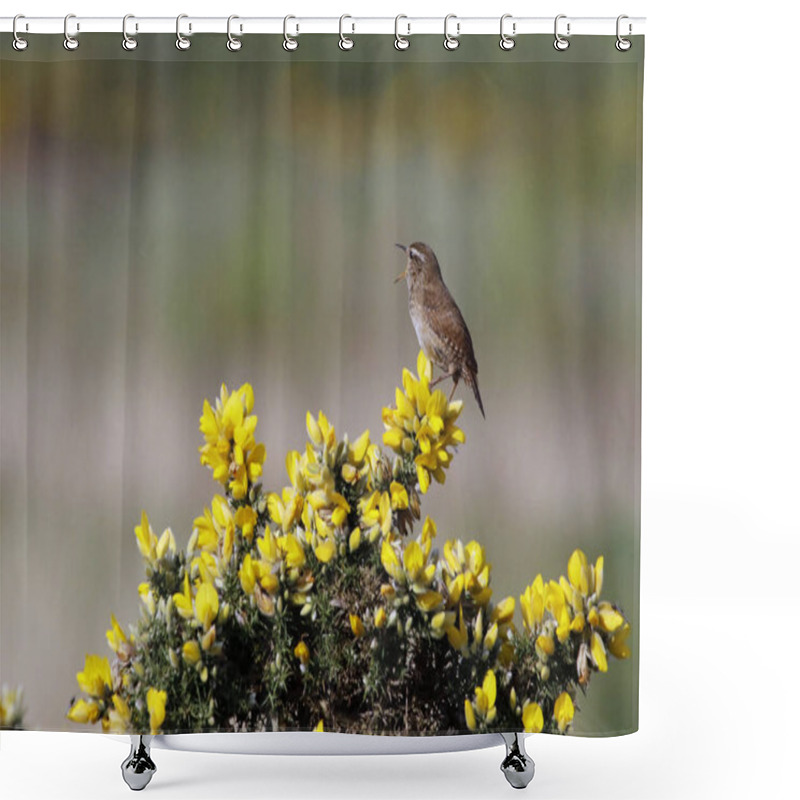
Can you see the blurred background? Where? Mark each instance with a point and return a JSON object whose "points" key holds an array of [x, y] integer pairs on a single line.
{"points": [[171, 224]]}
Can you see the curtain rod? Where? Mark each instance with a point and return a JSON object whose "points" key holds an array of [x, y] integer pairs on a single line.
{"points": [[294, 26]]}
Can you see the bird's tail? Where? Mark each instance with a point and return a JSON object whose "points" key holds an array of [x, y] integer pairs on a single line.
{"points": [[471, 379]]}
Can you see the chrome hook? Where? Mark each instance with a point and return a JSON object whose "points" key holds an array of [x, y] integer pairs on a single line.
{"points": [[560, 42], [345, 42], [507, 42], [451, 42], [289, 42], [128, 42], [401, 42], [18, 43], [623, 45], [70, 42], [182, 43], [234, 42]]}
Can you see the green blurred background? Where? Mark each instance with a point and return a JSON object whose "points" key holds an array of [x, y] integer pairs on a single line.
{"points": [[174, 220]]}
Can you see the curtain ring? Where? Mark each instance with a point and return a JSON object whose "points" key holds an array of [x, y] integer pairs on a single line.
{"points": [[234, 42], [182, 43], [289, 42], [401, 42], [70, 42], [507, 42], [451, 42], [560, 43], [623, 45], [19, 43], [345, 42], [128, 42]]}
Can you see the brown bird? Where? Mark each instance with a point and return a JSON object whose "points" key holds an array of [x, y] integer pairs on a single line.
{"points": [[441, 330]]}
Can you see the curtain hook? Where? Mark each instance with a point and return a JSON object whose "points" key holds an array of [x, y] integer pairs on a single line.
{"points": [[289, 42], [19, 43], [70, 42], [234, 42], [182, 43], [623, 45], [451, 42], [401, 42], [345, 42], [560, 42], [128, 42], [507, 42]]}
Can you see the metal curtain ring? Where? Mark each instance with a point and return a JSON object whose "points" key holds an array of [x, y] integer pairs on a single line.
{"points": [[451, 42], [234, 42], [345, 42], [128, 42], [18, 43], [182, 43], [70, 42], [623, 45], [289, 42], [401, 42], [560, 43], [507, 42]]}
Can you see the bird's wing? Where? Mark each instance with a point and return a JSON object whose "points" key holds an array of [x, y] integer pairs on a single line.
{"points": [[447, 324]]}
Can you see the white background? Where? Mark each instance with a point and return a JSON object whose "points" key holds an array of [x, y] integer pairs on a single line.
{"points": [[720, 446]]}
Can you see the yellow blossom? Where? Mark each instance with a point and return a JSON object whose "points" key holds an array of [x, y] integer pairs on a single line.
{"points": [[469, 713], [380, 617], [319, 727], [422, 424], [532, 718], [119, 716], [564, 711], [485, 696], [95, 678], [84, 712], [399, 495], [302, 653], [599, 653], [246, 519], [356, 625], [531, 603], [617, 645], [156, 706], [191, 652], [206, 605]]}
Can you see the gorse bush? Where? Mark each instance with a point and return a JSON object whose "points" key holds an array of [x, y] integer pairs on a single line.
{"points": [[328, 606]]}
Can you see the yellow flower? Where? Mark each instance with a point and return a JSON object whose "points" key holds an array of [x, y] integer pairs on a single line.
{"points": [[325, 551], [191, 652], [532, 718], [564, 711], [183, 600], [469, 713], [531, 603], [146, 539], [319, 727], [246, 519], [466, 568], [230, 449], [380, 617], [156, 706], [355, 540], [599, 653], [95, 679], [206, 605], [399, 495], [356, 625], [302, 653], [422, 425], [84, 712], [485, 696], [119, 716], [321, 432], [117, 640], [617, 645]]}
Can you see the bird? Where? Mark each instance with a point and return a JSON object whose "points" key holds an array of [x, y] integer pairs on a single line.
{"points": [[442, 333]]}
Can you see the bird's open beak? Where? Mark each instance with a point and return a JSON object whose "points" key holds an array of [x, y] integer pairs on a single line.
{"points": [[402, 275]]}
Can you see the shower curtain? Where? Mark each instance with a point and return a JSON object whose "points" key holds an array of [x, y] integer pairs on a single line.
{"points": [[252, 482]]}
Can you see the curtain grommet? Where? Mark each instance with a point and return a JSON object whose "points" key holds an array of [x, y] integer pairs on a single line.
{"points": [[234, 43], [290, 43], [18, 43], [451, 42], [70, 42], [345, 42], [128, 42], [622, 44], [507, 41], [401, 42], [182, 42], [560, 42]]}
